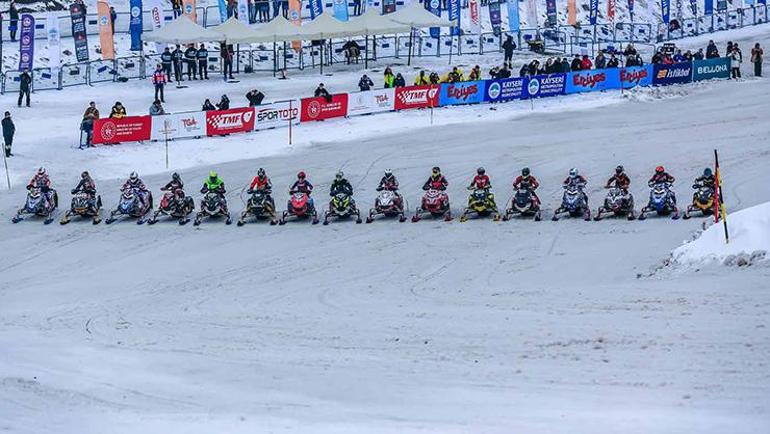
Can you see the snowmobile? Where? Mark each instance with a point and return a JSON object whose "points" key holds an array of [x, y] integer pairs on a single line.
{"points": [[342, 205], [131, 205], [574, 203], [299, 206], [523, 204], [702, 200], [213, 204], [435, 203], [37, 204], [84, 205], [617, 204], [661, 201], [482, 203], [174, 204], [388, 203], [261, 206]]}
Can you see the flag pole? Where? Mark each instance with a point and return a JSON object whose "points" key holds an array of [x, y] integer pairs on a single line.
{"points": [[719, 204]]}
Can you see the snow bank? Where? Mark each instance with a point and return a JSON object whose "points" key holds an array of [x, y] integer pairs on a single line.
{"points": [[749, 239]]}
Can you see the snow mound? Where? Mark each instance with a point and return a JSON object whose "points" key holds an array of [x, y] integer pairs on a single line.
{"points": [[749, 240]]}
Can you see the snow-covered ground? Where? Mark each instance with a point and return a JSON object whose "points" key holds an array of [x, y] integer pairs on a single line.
{"points": [[391, 328]]}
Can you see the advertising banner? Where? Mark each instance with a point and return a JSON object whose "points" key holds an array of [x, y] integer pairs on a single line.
{"points": [[316, 8], [179, 125], [412, 97], [222, 10], [453, 7], [593, 11], [276, 115], [550, 11], [631, 8], [27, 42], [665, 10], [708, 7], [135, 25], [341, 10], [316, 109], [388, 6], [694, 6], [106, 41], [541, 86], [475, 18], [611, 10], [571, 12], [513, 16], [593, 80], [237, 120], [78, 18], [711, 68], [464, 92], [295, 16], [494, 17], [503, 90], [54, 41], [188, 8], [672, 74], [434, 6], [243, 11], [128, 129], [633, 76], [373, 101], [158, 18]]}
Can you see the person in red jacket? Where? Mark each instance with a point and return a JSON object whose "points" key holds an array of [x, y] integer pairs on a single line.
{"points": [[260, 183], [159, 80], [660, 176], [436, 181], [586, 63], [527, 181], [480, 181], [619, 180]]}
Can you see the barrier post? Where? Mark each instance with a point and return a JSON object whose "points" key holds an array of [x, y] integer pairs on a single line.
{"points": [[7, 176], [291, 111]]}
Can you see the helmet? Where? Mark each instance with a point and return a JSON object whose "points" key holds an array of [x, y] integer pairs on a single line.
{"points": [[660, 169], [619, 169], [436, 170], [339, 175], [134, 176], [84, 175], [301, 175], [41, 171], [525, 172], [707, 172], [175, 176], [573, 173], [261, 172], [212, 174], [388, 172], [480, 170]]}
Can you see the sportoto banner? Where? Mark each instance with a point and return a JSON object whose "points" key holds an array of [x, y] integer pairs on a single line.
{"points": [[541, 86], [373, 101], [27, 43], [503, 90], [711, 68], [157, 17], [106, 41], [633, 76], [179, 125], [135, 25], [78, 19], [464, 92], [128, 129], [276, 115], [593, 80], [316, 109], [672, 74], [412, 97], [237, 120]]}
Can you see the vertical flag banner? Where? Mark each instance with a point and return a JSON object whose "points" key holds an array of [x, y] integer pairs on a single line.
{"points": [[631, 9], [651, 10], [316, 8], [665, 10], [473, 11], [341, 9], [54, 41], [27, 42], [79, 37], [243, 11], [188, 8], [550, 11], [105, 30], [388, 6], [532, 13], [721, 5], [593, 12], [296, 18], [513, 15], [434, 6], [454, 15], [694, 7], [611, 10], [571, 12], [222, 10], [135, 24], [158, 18], [495, 17]]}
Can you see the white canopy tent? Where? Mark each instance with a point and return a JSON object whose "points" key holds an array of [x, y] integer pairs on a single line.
{"points": [[236, 32], [372, 23], [415, 15], [183, 31], [325, 26], [279, 29]]}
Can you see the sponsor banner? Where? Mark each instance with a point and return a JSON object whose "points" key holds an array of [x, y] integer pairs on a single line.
{"points": [[464, 92], [665, 10], [453, 7], [237, 120], [633, 76], [222, 6], [694, 6], [434, 6], [721, 5], [128, 129], [295, 16], [157, 16], [341, 9], [593, 11], [316, 109], [188, 8], [611, 10], [135, 25], [631, 7], [541, 86], [711, 68], [475, 18], [708, 7], [179, 125], [550, 8], [243, 11], [593, 80], [276, 115], [494, 17], [373, 101], [27, 42], [316, 8], [506, 89], [412, 97], [513, 16], [388, 6], [672, 74], [571, 12], [54, 42], [78, 19], [106, 41]]}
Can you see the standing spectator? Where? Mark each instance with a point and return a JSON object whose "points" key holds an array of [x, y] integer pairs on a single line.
{"points": [[422, 79], [113, 18], [613, 62], [475, 73], [156, 109], [165, 61], [576, 63], [388, 77], [365, 83], [264, 10], [757, 55], [352, 51], [285, 8], [25, 86], [207, 106], [321, 91], [159, 80], [226, 53], [255, 97], [252, 12], [698, 55], [9, 129], [729, 47], [191, 58], [712, 51], [177, 56], [679, 57], [87, 125], [565, 66], [118, 111], [508, 47], [203, 62], [586, 63], [600, 62], [13, 23], [232, 8], [630, 50], [224, 103], [399, 81], [735, 63], [91, 112], [434, 78], [176, 5]]}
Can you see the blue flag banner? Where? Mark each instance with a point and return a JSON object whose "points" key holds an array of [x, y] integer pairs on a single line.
{"points": [[454, 14], [495, 17], [665, 10], [513, 15], [135, 25], [593, 80], [594, 11], [708, 7], [341, 10], [222, 10], [762, 2], [434, 6], [316, 8], [749, 2], [541, 86], [27, 42], [550, 6], [633, 76]]}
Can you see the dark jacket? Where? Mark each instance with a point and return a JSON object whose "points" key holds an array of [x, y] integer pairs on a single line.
{"points": [[658, 178], [207, 106], [255, 97], [388, 183], [302, 187], [25, 81], [202, 54], [86, 185], [9, 129], [432, 183], [509, 46], [224, 103], [166, 57], [190, 54], [341, 186], [365, 83], [177, 55], [322, 92]]}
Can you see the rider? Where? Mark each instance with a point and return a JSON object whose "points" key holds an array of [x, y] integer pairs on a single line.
{"points": [[135, 183], [40, 180], [480, 181], [214, 184], [620, 181], [527, 181], [388, 182], [261, 183], [575, 179], [705, 180], [302, 185], [662, 177], [86, 185], [436, 181], [175, 183], [340, 185]]}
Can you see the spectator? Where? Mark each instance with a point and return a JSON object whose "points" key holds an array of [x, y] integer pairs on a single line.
{"points": [[224, 103], [712, 51], [207, 106], [524, 70], [255, 97], [586, 63], [475, 73], [263, 7], [454, 76], [203, 62], [729, 47], [508, 47], [576, 64], [365, 83], [630, 50], [165, 61], [159, 80], [356, 7], [321, 91], [565, 66], [13, 22], [226, 53], [698, 55], [657, 58], [284, 8], [679, 57], [493, 72], [9, 129], [422, 79], [252, 12], [232, 8], [191, 58], [600, 62], [156, 109], [118, 111], [534, 68], [352, 51], [25, 86], [735, 63], [388, 77], [113, 18], [549, 68], [399, 81], [613, 62], [667, 59], [177, 56], [87, 124], [503, 72], [757, 55], [434, 78], [91, 112], [176, 5]]}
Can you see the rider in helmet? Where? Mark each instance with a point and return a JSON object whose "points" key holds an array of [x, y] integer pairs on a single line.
{"points": [[662, 177], [260, 183], [575, 179], [705, 180], [527, 181], [215, 184], [436, 181], [40, 180], [302, 185], [86, 185], [619, 180], [388, 181], [175, 183], [340, 185], [480, 181], [135, 183]]}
